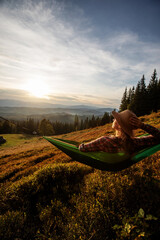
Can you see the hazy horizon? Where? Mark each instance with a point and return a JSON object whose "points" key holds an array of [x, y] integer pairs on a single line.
{"points": [[74, 52]]}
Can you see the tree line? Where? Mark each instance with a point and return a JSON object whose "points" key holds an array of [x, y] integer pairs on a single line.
{"points": [[142, 99], [47, 127]]}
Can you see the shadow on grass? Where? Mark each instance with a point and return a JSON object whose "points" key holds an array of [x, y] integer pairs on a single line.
{"points": [[53, 204], [143, 194], [29, 204]]}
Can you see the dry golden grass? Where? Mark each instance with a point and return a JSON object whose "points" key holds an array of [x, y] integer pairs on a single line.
{"points": [[25, 158], [45, 195]]}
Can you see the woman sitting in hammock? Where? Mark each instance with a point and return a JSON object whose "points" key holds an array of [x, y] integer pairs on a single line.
{"points": [[124, 125]]}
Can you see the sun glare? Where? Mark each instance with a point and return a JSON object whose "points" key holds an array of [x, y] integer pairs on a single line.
{"points": [[37, 88]]}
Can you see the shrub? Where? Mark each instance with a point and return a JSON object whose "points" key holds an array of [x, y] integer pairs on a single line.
{"points": [[12, 225]]}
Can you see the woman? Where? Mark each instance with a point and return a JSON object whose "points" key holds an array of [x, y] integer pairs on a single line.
{"points": [[124, 125]]}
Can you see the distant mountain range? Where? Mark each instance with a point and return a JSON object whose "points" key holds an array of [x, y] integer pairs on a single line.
{"points": [[19, 110], [18, 103]]}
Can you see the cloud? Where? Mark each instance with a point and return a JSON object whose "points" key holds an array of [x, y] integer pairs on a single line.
{"points": [[13, 94], [136, 57], [55, 42], [23, 95]]}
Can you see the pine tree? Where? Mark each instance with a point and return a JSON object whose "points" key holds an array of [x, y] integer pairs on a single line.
{"points": [[158, 99], [153, 92], [143, 100], [86, 123], [135, 102], [30, 125], [129, 96], [105, 119], [46, 128], [123, 105], [6, 127], [93, 121], [138, 98], [76, 122], [143, 105], [82, 125], [98, 121]]}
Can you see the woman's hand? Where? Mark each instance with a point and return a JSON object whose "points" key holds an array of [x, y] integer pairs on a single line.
{"points": [[135, 122]]}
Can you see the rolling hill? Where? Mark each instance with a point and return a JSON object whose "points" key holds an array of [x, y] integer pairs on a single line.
{"points": [[46, 195]]}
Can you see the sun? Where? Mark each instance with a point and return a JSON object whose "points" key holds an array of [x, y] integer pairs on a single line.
{"points": [[37, 88]]}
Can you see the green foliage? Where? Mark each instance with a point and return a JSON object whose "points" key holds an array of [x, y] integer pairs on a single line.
{"points": [[106, 119], [39, 199], [6, 127], [153, 92], [136, 226], [53, 218], [124, 101], [15, 139], [12, 224], [76, 123], [46, 128], [71, 201], [142, 100]]}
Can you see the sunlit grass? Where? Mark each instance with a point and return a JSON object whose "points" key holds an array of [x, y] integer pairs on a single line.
{"points": [[17, 139], [46, 195]]}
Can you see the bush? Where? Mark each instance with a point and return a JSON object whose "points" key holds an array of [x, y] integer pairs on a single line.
{"points": [[12, 225], [40, 201]]}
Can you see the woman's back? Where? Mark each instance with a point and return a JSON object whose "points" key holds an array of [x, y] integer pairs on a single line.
{"points": [[124, 124]]}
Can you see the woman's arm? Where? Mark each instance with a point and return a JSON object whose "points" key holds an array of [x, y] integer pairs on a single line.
{"points": [[105, 144], [137, 123], [93, 146]]}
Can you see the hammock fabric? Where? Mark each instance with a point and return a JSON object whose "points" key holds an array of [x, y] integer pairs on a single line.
{"points": [[102, 160]]}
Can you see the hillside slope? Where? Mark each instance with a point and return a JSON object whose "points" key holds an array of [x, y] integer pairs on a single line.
{"points": [[46, 195]]}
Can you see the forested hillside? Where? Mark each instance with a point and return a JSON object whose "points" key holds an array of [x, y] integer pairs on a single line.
{"points": [[48, 127]]}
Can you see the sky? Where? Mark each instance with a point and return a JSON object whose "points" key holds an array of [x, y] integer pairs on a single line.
{"points": [[75, 52]]}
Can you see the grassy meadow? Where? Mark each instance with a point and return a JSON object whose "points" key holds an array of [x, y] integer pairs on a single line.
{"points": [[45, 195]]}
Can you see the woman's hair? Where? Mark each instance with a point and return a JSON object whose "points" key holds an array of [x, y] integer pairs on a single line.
{"points": [[127, 141]]}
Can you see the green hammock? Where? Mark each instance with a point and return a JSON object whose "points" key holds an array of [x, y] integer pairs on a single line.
{"points": [[102, 160]]}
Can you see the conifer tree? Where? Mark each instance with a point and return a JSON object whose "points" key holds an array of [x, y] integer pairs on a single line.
{"points": [[46, 128], [153, 92], [143, 100], [158, 99], [86, 123], [98, 121], [136, 98], [76, 122], [143, 105], [134, 104], [6, 127], [123, 105], [93, 121], [129, 96], [82, 125], [30, 125], [105, 119]]}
